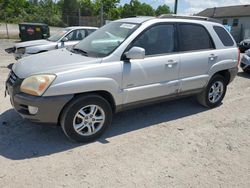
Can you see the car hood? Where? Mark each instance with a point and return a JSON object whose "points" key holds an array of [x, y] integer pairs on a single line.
{"points": [[52, 62], [32, 43], [246, 40]]}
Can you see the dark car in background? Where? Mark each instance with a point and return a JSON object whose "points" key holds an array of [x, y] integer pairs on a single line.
{"points": [[244, 45], [245, 62], [33, 31]]}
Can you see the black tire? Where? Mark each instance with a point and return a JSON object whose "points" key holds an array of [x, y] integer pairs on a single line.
{"points": [[242, 49], [70, 111], [203, 98], [246, 71]]}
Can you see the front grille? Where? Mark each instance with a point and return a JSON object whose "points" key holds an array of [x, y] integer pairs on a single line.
{"points": [[12, 78]]}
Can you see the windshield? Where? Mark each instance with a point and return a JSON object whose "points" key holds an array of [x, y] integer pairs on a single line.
{"points": [[55, 37], [106, 39]]}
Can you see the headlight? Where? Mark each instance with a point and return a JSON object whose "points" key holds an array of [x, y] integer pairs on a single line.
{"points": [[37, 84], [20, 50]]}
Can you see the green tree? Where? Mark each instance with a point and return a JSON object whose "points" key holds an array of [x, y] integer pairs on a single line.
{"points": [[109, 8], [162, 9], [136, 8], [70, 12]]}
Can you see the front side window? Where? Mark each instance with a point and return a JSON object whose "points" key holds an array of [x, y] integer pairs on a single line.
{"points": [[106, 39], [194, 37], [76, 35], [157, 40], [58, 35]]}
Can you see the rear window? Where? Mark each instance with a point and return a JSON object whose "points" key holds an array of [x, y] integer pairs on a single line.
{"points": [[224, 36], [194, 37]]}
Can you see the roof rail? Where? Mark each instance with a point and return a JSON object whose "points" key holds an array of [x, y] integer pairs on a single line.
{"points": [[188, 17]]}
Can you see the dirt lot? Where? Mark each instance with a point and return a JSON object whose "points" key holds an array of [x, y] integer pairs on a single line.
{"points": [[173, 144]]}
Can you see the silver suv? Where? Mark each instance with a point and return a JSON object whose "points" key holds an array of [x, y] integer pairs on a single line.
{"points": [[126, 63]]}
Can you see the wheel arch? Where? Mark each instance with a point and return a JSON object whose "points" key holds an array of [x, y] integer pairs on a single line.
{"points": [[226, 74], [104, 94]]}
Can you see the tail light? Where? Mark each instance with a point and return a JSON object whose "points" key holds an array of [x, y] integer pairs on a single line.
{"points": [[238, 56]]}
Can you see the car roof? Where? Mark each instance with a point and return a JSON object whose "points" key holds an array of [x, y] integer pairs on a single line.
{"points": [[138, 20], [169, 17], [31, 23], [81, 27]]}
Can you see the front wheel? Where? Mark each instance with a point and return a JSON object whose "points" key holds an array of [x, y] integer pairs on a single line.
{"points": [[214, 92], [86, 118]]}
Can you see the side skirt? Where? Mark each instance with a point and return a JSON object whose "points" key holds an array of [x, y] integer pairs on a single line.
{"points": [[156, 100]]}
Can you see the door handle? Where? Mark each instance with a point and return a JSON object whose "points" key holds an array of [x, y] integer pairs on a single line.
{"points": [[171, 63], [212, 57]]}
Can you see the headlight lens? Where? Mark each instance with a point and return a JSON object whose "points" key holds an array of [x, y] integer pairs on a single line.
{"points": [[20, 50], [37, 84]]}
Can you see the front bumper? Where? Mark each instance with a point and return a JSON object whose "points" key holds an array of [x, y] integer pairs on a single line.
{"points": [[49, 108], [245, 62], [233, 72]]}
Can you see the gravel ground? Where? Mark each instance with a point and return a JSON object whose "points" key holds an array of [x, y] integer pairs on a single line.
{"points": [[173, 144]]}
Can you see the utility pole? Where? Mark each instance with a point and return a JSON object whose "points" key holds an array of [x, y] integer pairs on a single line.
{"points": [[101, 14], [79, 16], [175, 6], [6, 24]]}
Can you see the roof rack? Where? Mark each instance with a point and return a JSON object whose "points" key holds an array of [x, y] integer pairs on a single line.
{"points": [[188, 17]]}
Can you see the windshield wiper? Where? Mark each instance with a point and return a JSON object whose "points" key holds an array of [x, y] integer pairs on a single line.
{"points": [[79, 51]]}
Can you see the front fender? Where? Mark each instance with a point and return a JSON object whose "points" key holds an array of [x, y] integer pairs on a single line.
{"points": [[86, 85], [37, 49]]}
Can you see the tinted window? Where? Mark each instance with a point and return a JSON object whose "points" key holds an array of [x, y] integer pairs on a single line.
{"points": [[157, 40], [76, 35], [91, 31], [235, 22], [194, 37], [224, 36], [224, 22]]}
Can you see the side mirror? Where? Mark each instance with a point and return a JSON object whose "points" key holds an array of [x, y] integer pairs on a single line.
{"points": [[64, 39], [135, 53]]}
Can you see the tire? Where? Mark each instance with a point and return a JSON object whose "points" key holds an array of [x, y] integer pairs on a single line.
{"points": [[246, 71], [77, 119], [242, 50], [206, 99]]}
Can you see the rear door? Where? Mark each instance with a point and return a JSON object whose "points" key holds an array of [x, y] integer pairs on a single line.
{"points": [[197, 54]]}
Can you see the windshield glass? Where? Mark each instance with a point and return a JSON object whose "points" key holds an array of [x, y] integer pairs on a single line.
{"points": [[106, 39], [55, 37]]}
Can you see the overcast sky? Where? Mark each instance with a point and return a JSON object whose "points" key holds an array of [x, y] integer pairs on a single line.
{"points": [[193, 6]]}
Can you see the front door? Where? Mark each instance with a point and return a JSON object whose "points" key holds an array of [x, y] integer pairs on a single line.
{"points": [[157, 74]]}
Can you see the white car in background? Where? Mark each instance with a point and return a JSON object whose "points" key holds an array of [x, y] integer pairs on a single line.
{"points": [[64, 38]]}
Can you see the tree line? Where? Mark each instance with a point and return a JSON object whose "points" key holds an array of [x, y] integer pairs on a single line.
{"points": [[61, 12]]}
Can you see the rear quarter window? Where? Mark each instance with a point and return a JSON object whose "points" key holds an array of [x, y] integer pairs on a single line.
{"points": [[224, 36], [194, 37]]}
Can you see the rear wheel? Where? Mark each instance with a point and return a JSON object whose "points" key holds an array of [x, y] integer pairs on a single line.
{"points": [[86, 118], [246, 70], [214, 92]]}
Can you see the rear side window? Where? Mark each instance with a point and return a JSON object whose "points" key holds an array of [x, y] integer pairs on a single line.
{"points": [[194, 37], [224, 36], [91, 31]]}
